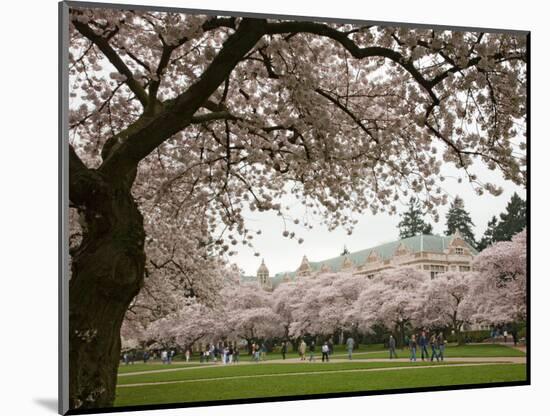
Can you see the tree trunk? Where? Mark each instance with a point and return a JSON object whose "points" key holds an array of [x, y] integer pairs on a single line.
{"points": [[106, 274]]}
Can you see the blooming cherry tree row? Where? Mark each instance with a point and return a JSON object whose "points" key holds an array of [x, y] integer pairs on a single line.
{"points": [[326, 303]]}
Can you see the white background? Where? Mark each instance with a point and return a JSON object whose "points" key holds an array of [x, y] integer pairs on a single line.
{"points": [[28, 217]]}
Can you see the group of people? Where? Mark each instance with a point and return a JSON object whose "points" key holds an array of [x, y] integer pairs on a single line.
{"points": [[167, 356], [259, 352], [436, 343], [432, 346], [227, 354]]}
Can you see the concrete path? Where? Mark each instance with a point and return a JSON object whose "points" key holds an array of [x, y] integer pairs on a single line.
{"points": [[355, 370]]}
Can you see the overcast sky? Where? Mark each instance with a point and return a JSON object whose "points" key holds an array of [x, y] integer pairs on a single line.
{"points": [[282, 254]]}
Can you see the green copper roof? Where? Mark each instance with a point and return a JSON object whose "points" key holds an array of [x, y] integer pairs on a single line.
{"points": [[419, 243]]}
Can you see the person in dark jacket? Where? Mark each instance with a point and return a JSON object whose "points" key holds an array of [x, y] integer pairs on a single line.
{"points": [[391, 345], [412, 347], [423, 343], [283, 350], [312, 351], [435, 348]]}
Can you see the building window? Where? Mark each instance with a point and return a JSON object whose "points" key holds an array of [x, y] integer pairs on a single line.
{"points": [[370, 276], [459, 250], [464, 268], [435, 269]]}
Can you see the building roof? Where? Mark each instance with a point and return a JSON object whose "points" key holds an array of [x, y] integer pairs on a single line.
{"points": [[263, 268], [416, 244]]}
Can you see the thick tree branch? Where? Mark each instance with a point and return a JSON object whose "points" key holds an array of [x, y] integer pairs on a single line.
{"points": [[131, 148], [113, 57], [357, 52]]}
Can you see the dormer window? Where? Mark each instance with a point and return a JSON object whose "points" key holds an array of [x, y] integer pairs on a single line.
{"points": [[459, 250]]}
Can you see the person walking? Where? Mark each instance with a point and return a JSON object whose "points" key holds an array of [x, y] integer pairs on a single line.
{"points": [[283, 350], [263, 351], [350, 343], [423, 343], [391, 345], [441, 344], [164, 356], [236, 354], [312, 351], [126, 358], [256, 352], [325, 349], [230, 352], [302, 350], [145, 357], [187, 355], [225, 356], [435, 348], [412, 347]]}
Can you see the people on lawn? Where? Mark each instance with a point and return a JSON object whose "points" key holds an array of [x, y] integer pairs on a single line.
{"points": [[283, 349], [412, 348], [441, 343], [256, 352], [312, 351], [350, 343], [302, 350], [263, 351], [146, 357], [435, 348], [187, 355], [391, 346], [423, 344], [325, 350], [236, 354]]}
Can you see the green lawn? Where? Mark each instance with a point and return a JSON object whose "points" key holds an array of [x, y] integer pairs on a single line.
{"points": [[327, 382], [483, 350], [370, 351], [155, 365], [259, 369]]}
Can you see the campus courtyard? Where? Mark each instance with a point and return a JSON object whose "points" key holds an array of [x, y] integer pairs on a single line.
{"points": [[369, 370]]}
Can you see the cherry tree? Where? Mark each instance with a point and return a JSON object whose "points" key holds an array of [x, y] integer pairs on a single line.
{"points": [[192, 322], [286, 300], [449, 301], [178, 115], [326, 306], [502, 281], [392, 298], [248, 313]]}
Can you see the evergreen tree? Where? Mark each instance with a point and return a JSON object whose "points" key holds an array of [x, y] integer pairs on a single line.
{"points": [[458, 219], [513, 220], [489, 235], [412, 222]]}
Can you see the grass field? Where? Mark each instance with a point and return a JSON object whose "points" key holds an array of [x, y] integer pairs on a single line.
{"points": [[249, 381], [254, 370], [481, 350], [371, 351]]}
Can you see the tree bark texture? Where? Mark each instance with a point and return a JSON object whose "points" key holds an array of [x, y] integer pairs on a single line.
{"points": [[106, 274]]}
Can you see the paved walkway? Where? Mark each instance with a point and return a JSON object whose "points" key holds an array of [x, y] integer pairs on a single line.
{"points": [[461, 360], [471, 363]]}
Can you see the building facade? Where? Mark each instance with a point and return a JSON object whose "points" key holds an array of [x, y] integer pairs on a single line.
{"points": [[432, 254]]}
